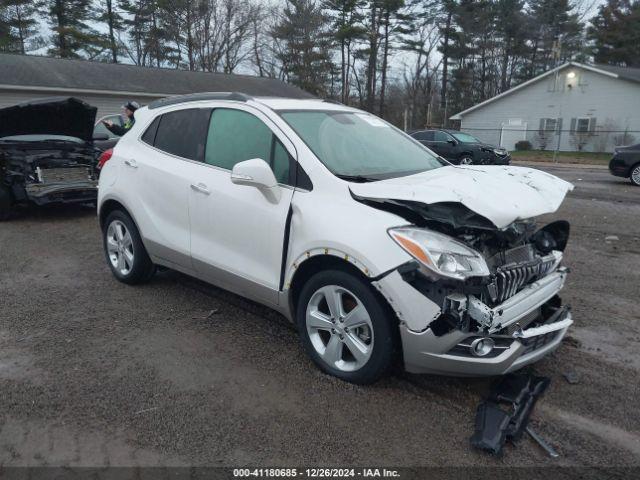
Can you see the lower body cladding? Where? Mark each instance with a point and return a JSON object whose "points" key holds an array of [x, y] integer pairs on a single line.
{"points": [[521, 330]]}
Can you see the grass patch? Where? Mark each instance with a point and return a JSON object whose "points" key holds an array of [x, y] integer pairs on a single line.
{"points": [[586, 158]]}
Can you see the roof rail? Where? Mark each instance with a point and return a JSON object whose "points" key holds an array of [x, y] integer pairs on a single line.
{"points": [[195, 97]]}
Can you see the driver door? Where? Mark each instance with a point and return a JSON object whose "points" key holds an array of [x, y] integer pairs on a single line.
{"points": [[237, 232]]}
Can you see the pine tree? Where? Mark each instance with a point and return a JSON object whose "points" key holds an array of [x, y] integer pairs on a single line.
{"points": [[69, 21], [306, 54], [18, 19], [615, 32], [110, 15]]}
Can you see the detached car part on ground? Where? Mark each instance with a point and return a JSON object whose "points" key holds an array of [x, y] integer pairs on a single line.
{"points": [[46, 153], [626, 163], [349, 227]]}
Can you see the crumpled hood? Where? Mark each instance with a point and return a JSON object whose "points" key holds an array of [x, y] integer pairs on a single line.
{"points": [[55, 116], [499, 193]]}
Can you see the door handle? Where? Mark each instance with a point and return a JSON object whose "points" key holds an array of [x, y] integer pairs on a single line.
{"points": [[131, 163], [200, 187]]}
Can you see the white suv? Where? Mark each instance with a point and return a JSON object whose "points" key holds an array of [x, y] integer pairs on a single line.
{"points": [[369, 242]]}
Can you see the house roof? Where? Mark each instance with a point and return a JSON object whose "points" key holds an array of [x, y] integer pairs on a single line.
{"points": [[30, 72], [631, 74]]}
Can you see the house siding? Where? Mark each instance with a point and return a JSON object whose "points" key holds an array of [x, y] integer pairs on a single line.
{"points": [[106, 104], [613, 102]]}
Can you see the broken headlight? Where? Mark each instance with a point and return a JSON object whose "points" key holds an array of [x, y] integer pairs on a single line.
{"points": [[439, 253]]}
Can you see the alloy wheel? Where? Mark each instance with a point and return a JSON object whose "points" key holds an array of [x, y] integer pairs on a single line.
{"points": [[339, 328], [466, 161], [120, 247], [635, 175]]}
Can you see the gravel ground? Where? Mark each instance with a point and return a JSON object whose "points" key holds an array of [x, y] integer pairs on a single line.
{"points": [[97, 373]]}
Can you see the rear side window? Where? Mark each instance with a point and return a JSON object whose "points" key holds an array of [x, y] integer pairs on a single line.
{"points": [[235, 136], [149, 136], [183, 133], [424, 136]]}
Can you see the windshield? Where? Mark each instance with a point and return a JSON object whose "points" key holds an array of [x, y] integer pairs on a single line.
{"points": [[359, 145], [465, 137], [41, 138]]}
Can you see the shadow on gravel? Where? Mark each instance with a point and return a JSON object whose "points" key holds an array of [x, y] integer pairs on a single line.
{"points": [[52, 212]]}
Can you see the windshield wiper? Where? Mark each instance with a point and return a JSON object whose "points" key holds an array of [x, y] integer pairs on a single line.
{"points": [[357, 178]]}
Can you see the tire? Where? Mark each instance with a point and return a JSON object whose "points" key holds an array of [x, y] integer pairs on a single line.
{"points": [[124, 251], [364, 325], [634, 174], [6, 202], [466, 159]]}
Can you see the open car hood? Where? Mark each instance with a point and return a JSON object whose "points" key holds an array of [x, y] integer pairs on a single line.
{"points": [[55, 116], [500, 194]]}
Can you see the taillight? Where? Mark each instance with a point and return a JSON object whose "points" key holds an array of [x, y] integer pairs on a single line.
{"points": [[104, 158]]}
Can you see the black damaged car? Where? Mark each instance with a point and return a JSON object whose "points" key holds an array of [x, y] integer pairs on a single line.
{"points": [[461, 148], [626, 163], [47, 153]]}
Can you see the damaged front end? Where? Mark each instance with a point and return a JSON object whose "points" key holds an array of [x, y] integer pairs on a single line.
{"points": [[48, 170], [485, 302]]}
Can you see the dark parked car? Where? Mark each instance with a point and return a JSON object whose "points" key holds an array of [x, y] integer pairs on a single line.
{"points": [[47, 153], [626, 163], [462, 148]]}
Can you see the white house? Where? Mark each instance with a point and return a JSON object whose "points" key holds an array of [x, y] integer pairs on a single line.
{"points": [[571, 107]]}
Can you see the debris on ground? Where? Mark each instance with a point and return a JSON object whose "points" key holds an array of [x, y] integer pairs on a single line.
{"points": [[611, 238], [213, 312], [542, 442], [505, 413], [571, 377]]}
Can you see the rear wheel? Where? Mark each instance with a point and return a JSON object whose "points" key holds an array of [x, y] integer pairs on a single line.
{"points": [[6, 202], [635, 175], [125, 253], [345, 328]]}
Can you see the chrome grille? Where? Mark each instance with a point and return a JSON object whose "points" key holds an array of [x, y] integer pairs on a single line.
{"points": [[511, 278]]}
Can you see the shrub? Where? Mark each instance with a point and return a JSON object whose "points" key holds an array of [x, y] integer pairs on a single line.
{"points": [[523, 145]]}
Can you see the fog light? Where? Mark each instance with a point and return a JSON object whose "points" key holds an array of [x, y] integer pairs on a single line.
{"points": [[481, 347]]}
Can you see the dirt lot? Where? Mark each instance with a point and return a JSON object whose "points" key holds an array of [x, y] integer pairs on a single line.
{"points": [[93, 372], [582, 158]]}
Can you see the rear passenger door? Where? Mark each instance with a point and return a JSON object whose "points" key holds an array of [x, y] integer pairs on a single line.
{"points": [[170, 155], [237, 232], [443, 144]]}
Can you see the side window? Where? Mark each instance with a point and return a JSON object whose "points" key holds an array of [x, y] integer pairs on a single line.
{"points": [[424, 136], [235, 136], [183, 133], [100, 129], [439, 136], [149, 136]]}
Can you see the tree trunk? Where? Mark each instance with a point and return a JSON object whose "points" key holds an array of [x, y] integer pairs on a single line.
{"points": [[112, 38], [385, 58], [445, 62], [370, 89]]}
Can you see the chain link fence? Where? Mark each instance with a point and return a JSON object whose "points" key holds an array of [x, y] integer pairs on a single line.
{"points": [[518, 137]]}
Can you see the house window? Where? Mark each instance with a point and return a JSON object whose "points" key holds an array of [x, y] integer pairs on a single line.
{"points": [[582, 125], [550, 124]]}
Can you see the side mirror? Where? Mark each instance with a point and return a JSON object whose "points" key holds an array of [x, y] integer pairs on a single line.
{"points": [[101, 136], [452, 142], [257, 173]]}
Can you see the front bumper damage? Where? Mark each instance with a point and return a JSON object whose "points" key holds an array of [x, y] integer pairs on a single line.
{"points": [[525, 327]]}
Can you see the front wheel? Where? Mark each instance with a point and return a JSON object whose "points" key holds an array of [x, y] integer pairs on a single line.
{"points": [[345, 328], [635, 175], [466, 160], [125, 253]]}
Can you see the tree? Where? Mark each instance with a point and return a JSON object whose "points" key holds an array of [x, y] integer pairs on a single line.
{"points": [[109, 14], [71, 32], [18, 19], [346, 27], [615, 33], [306, 60]]}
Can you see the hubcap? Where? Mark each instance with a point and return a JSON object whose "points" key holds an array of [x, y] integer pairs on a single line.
{"points": [[339, 328], [466, 161], [120, 247], [635, 175]]}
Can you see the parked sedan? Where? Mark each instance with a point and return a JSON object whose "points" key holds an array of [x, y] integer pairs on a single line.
{"points": [[462, 148], [626, 163], [47, 153], [347, 226]]}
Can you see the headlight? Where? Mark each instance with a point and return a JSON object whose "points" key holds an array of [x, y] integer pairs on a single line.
{"points": [[500, 151], [440, 254]]}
